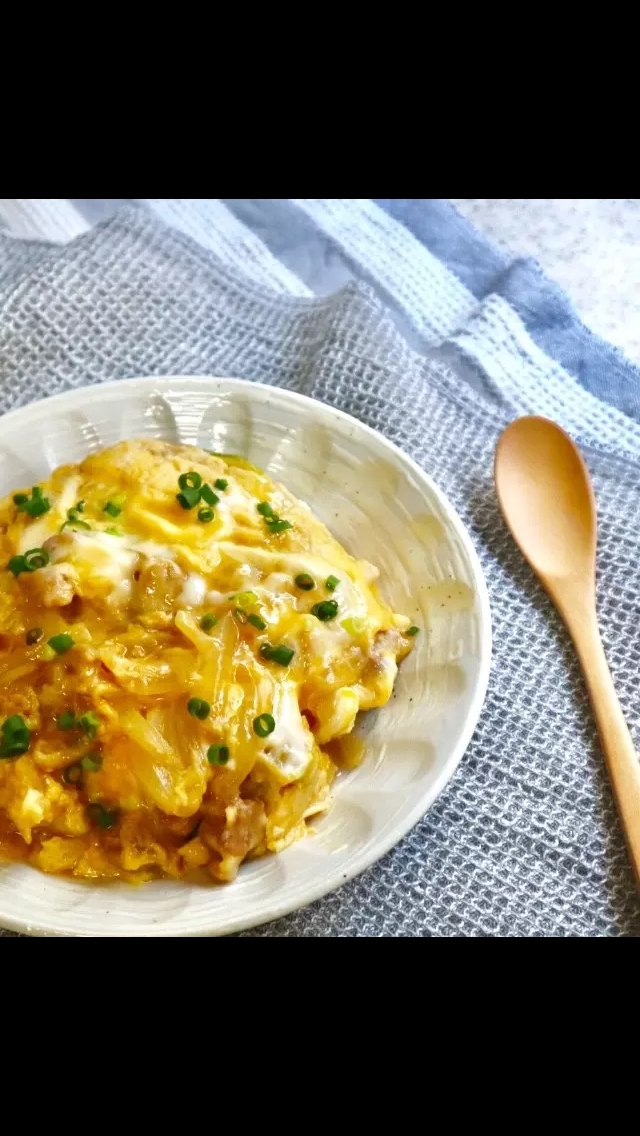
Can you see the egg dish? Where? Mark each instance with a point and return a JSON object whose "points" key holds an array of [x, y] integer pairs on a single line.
{"points": [[184, 649]]}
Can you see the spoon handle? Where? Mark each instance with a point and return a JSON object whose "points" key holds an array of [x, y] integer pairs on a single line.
{"points": [[620, 755]]}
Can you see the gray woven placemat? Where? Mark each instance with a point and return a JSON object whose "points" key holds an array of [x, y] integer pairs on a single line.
{"points": [[525, 839]]}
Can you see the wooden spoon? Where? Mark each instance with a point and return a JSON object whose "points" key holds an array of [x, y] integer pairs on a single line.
{"points": [[546, 496]]}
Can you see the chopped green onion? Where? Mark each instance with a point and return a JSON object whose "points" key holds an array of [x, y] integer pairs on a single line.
{"points": [[326, 610], [17, 565], [13, 749], [198, 708], [89, 722], [74, 519], [60, 643], [221, 483], [112, 509], [33, 635], [218, 754], [189, 498], [80, 506], [35, 505], [331, 583], [113, 530], [273, 522], [47, 653], [92, 762], [256, 621], [305, 581], [245, 599], [35, 558], [208, 621], [67, 720], [354, 624], [280, 654], [264, 725], [205, 515], [208, 495], [15, 723], [16, 737], [73, 774], [32, 560], [191, 480], [412, 630], [105, 818]]}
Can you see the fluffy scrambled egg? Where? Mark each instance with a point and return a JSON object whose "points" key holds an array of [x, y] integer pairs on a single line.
{"points": [[182, 647]]}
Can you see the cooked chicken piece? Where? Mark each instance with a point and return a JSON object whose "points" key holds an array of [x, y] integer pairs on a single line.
{"points": [[241, 830], [59, 546], [157, 584], [57, 584]]}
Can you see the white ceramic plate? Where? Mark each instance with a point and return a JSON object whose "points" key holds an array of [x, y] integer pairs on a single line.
{"points": [[382, 507]]}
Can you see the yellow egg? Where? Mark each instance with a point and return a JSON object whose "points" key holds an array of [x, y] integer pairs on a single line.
{"points": [[181, 641]]}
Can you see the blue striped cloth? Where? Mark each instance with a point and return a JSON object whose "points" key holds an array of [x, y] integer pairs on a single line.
{"points": [[500, 321], [525, 839]]}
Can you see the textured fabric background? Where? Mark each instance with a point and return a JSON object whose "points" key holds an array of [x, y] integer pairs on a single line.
{"points": [[525, 839]]}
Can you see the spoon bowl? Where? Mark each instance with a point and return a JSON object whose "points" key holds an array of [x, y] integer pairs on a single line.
{"points": [[546, 496], [547, 501]]}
